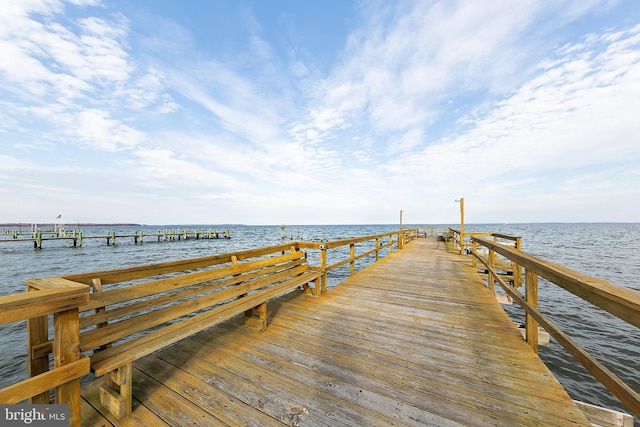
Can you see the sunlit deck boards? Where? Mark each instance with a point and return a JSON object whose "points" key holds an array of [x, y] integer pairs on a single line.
{"points": [[416, 339]]}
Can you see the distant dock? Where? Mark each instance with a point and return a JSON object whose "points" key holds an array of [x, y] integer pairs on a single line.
{"points": [[37, 237]]}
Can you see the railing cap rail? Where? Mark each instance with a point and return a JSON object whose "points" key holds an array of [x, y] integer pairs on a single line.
{"points": [[343, 242], [53, 295]]}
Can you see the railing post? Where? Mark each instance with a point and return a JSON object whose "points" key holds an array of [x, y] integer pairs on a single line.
{"points": [[37, 333], [352, 254], [390, 243], [531, 326], [323, 267], [66, 349], [492, 279], [377, 247], [474, 250], [517, 268]]}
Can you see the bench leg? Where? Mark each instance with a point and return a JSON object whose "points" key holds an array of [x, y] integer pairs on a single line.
{"points": [[259, 323], [311, 291], [116, 392]]}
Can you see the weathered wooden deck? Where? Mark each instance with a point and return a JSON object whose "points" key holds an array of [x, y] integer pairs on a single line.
{"points": [[415, 339]]}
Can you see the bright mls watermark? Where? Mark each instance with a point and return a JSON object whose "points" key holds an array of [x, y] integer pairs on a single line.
{"points": [[34, 415]]}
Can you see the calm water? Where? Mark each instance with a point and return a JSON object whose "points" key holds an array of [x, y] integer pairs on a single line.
{"points": [[607, 251]]}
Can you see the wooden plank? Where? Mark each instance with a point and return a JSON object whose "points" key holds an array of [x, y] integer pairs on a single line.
{"points": [[55, 283], [346, 387], [199, 390], [23, 390], [275, 395], [356, 351], [17, 307], [141, 415], [170, 406], [91, 417]]}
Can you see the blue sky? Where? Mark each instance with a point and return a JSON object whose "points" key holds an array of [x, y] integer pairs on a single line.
{"points": [[319, 112]]}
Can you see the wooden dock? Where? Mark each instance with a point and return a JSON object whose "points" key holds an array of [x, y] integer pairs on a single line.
{"points": [[415, 339], [78, 236]]}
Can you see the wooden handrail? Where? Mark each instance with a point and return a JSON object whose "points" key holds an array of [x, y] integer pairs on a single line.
{"points": [[16, 393], [621, 302], [17, 307], [323, 247]]}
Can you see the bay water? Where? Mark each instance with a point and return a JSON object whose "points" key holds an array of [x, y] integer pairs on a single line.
{"points": [[609, 251]]}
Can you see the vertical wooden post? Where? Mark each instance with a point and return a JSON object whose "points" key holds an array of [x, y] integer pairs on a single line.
{"points": [[390, 243], [474, 249], [66, 349], [517, 268], [531, 326], [400, 234], [37, 333], [492, 280], [461, 225], [96, 286], [352, 254], [377, 247], [323, 266], [262, 313]]}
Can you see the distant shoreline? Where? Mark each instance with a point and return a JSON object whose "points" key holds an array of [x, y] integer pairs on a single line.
{"points": [[60, 224]]}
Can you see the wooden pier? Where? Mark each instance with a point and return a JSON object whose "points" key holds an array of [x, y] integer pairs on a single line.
{"points": [[415, 339], [76, 237]]}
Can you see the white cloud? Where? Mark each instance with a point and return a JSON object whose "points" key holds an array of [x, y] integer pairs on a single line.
{"points": [[425, 100], [161, 168], [76, 78], [579, 111]]}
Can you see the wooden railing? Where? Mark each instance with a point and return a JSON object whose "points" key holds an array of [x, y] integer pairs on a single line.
{"points": [[376, 244], [60, 298], [63, 298], [461, 239], [621, 302]]}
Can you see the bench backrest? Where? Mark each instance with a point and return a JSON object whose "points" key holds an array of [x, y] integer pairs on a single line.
{"points": [[129, 309]]}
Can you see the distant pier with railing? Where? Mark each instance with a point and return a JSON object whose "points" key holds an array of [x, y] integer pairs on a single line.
{"points": [[76, 236]]}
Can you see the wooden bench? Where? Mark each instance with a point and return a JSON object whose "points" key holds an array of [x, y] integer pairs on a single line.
{"points": [[127, 322]]}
